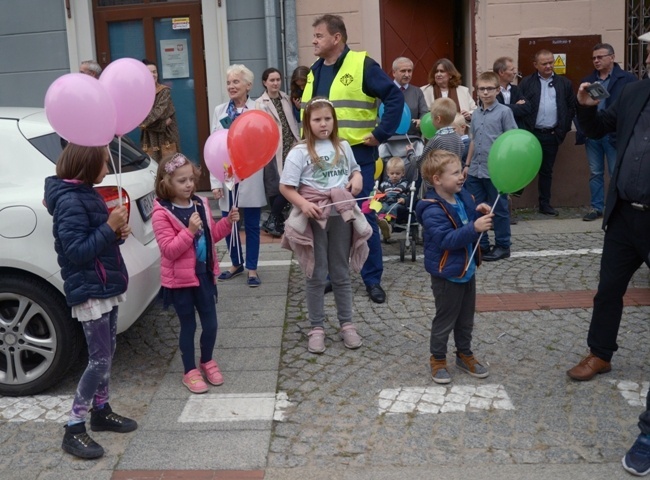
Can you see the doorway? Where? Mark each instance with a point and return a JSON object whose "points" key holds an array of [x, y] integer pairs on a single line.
{"points": [[170, 35], [421, 30]]}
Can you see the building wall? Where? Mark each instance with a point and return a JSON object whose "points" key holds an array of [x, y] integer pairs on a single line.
{"points": [[500, 24], [33, 51], [361, 21]]}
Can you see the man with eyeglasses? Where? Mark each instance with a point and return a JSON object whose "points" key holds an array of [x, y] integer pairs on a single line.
{"points": [[553, 107], [608, 73]]}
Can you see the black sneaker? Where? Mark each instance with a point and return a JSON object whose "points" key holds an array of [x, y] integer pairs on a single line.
{"points": [[637, 459], [105, 420], [270, 226], [78, 443], [592, 215]]}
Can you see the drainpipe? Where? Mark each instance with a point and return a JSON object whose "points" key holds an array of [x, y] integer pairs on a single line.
{"points": [[290, 44], [270, 21]]}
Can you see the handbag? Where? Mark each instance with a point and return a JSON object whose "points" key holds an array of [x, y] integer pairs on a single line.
{"points": [[168, 148]]}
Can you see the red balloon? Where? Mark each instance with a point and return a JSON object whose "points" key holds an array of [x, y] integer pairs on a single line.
{"points": [[253, 139]]}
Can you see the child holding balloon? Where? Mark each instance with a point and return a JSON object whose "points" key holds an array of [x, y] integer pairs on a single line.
{"points": [[452, 223], [489, 121], [87, 241], [326, 229], [186, 234]]}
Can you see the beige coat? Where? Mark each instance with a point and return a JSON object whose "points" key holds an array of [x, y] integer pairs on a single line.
{"points": [[465, 99], [264, 103]]}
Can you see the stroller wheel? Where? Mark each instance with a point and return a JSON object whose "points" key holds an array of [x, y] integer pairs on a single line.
{"points": [[402, 250], [414, 238]]}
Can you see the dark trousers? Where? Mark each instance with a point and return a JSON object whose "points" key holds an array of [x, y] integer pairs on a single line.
{"points": [[626, 247], [93, 385], [455, 305], [278, 203], [545, 178], [644, 418], [185, 300]]}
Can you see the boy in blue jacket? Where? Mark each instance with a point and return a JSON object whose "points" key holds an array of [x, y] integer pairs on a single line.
{"points": [[452, 224]]}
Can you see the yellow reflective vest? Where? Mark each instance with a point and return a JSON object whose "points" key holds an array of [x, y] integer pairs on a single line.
{"points": [[356, 112]]}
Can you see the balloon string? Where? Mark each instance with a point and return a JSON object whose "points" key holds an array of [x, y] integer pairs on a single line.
{"points": [[478, 242], [119, 166], [235, 241], [348, 200], [119, 191]]}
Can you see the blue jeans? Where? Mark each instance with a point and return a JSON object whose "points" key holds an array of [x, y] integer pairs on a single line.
{"points": [[485, 192], [252, 229], [374, 266], [597, 150]]}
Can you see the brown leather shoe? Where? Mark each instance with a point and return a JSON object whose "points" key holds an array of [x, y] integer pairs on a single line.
{"points": [[589, 367]]}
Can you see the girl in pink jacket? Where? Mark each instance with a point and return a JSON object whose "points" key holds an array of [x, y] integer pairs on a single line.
{"points": [[186, 234]]}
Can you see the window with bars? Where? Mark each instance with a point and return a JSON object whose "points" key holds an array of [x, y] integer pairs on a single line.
{"points": [[638, 22]]}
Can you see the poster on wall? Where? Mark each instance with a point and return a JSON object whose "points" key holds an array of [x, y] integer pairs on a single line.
{"points": [[174, 59]]}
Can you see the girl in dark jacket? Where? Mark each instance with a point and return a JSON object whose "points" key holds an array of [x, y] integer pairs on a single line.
{"points": [[86, 240]]}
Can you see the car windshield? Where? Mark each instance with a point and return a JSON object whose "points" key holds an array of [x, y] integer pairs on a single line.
{"points": [[133, 158]]}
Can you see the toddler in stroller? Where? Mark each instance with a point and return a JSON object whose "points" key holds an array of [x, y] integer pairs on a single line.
{"points": [[399, 183]]}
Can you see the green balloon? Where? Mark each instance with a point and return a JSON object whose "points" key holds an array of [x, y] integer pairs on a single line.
{"points": [[514, 160], [426, 126]]}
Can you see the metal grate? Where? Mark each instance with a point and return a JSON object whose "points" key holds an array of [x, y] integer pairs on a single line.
{"points": [[638, 22]]}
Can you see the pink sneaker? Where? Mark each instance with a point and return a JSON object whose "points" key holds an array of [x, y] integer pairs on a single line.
{"points": [[194, 382], [351, 338], [316, 343], [212, 372]]}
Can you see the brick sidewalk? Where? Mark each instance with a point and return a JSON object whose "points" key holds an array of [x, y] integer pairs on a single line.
{"points": [[510, 302]]}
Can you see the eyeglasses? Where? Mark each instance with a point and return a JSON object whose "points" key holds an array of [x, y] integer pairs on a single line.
{"points": [[486, 89], [600, 57]]}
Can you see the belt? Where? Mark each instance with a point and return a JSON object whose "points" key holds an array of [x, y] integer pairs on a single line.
{"points": [[548, 131], [642, 207]]}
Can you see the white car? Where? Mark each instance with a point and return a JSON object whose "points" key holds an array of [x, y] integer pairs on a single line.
{"points": [[39, 341]]}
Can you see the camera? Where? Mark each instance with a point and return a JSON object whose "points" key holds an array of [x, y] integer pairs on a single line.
{"points": [[597, 91]]}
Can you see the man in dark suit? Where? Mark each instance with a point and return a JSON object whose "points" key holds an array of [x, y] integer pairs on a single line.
{"points": [[626, 220], [553, 106], [413, 96], [509, 94]]}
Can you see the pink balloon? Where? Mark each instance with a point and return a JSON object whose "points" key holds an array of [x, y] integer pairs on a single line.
{"points": [[133, 90], [80, 110], [215, 153]]}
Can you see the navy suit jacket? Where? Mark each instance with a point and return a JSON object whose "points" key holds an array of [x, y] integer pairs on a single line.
{"points": [[520, 111], [618, 79]]}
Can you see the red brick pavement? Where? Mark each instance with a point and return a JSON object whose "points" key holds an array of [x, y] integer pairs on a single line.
{"points": [[500, 302]]}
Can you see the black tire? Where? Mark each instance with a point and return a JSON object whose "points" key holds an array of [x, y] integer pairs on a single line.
{"points": [[402, 250], [39, 341]]}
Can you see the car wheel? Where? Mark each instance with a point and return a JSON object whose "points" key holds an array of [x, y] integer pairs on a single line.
{"points": [[39, 340]]}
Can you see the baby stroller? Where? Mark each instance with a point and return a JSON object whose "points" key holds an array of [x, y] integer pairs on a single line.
{"points": [[406, 233]]}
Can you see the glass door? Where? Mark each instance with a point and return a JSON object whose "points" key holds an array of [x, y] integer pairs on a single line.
{"points": [[171, 36]]}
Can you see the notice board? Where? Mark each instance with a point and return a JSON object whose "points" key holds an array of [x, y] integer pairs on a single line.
{"points": [[572, 55]]}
